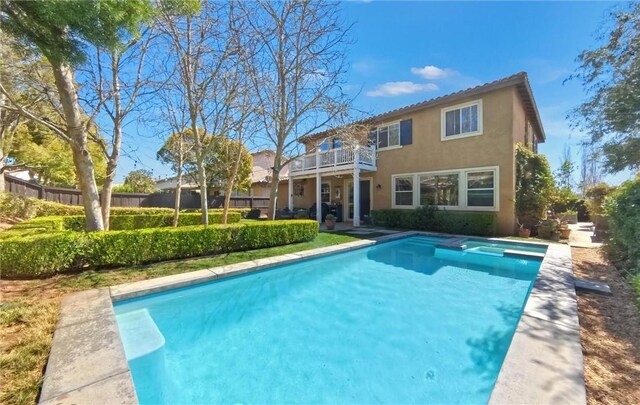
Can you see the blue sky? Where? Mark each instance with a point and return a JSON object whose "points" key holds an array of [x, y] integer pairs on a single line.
{"points": [[462, 45]]}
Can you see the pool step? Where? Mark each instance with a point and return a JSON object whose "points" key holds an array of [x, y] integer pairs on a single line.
{"points": [[521, 254], [140, 334], [452, 244]]}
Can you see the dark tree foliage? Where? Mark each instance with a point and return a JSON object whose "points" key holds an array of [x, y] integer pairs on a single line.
{"points": [[610, 75], [60, 28]]}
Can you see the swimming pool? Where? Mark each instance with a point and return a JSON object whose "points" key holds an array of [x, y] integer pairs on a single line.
{"points": [[403, 321]]}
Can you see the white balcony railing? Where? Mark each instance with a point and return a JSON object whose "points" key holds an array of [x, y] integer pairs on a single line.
{"points": [[363, 157]]}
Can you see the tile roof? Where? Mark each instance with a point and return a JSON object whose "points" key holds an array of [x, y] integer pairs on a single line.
{"points": [[520, 80]]}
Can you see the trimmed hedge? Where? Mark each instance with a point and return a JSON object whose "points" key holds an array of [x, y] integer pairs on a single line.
{"points": [[45, 255], [16, 206], [40, 255], [430, 219], [124, 222]]}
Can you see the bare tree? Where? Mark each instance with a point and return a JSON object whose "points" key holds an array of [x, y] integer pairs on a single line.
{"points": [[178, 146], [119, 82], [299, 72], [590, 168], [208, 49], [191, 44]]}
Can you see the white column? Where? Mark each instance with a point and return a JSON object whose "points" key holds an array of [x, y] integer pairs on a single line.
{"points": [[356, 196], [290, 205], [318, 186], [318, 197]]}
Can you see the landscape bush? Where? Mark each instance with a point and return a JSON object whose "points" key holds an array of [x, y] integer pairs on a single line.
{"points": [[16, 206], [40, 255], [45, 255], [124, 222], [623, 210], [534, 186], [431, 219]]}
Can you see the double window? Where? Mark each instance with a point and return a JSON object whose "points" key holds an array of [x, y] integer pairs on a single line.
{"points": [[463, 120], [464, 189], [386, 136], [330, 143]]}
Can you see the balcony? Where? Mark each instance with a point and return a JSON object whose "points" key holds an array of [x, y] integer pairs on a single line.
{"points": [[335, 160]]}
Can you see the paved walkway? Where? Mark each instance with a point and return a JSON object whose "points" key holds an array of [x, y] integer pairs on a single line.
{"points": [[582, 235]]}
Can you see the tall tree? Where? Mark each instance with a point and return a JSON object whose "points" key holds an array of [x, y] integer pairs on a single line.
{"points": [[58, 30], [191, 39], [590, 172], [564, 174], [118, 82], [299, 70], [175, 152], [206, 46], [610, 75]]}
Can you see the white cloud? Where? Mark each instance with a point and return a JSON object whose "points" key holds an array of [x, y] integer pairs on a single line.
{"points": [[391, 89], [433, 72]]}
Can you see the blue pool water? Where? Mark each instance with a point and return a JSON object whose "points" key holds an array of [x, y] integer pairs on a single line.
{"points": [[398, 322]]}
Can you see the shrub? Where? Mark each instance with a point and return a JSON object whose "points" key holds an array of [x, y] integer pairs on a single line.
{"points": [[123, 222], [623, 209], [430, 219], [534, 184], [40, 255], [596, 196], [43, 255]]}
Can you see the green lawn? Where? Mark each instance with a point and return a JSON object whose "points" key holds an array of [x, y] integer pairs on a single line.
{"points": [[29, 310]]}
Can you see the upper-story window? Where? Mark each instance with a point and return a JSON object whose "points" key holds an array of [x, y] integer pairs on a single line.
{"points": [[462, 120], [330, 143], [387, 136]]}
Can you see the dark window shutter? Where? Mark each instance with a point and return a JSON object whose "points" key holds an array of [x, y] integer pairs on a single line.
{"points": [[406, 132], [373, 137]]}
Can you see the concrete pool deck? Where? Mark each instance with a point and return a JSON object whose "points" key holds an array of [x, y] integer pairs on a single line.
{"points": [[544, 362]]}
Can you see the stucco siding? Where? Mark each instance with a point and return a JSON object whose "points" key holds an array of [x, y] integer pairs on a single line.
{"points": [[504, 123]]}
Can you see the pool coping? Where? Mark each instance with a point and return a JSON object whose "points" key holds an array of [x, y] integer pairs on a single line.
{"points": [[87, 362]]}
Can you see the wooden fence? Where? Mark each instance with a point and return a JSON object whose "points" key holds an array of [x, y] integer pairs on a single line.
{"points": [[70, 196]]}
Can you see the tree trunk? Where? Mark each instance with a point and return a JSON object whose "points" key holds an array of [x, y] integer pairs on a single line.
{"points": [[273, 193], [64, 78], [176, 204], [107, 191], [112, 160], [229, 186], [202, 175], [2, 182]]}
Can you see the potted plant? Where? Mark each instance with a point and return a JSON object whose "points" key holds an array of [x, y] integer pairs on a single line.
{"points": [[523, 231], [548, 229], [330, 221]]}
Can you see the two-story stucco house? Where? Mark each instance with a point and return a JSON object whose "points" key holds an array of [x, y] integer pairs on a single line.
{"points": [[456, 152]]}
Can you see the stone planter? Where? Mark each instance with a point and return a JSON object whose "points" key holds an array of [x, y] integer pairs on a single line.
{"points": [[330, 224], [524, 232], [564, 233]]}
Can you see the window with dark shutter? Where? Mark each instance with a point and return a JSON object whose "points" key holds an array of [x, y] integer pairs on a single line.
{"points": [[406, 132]]}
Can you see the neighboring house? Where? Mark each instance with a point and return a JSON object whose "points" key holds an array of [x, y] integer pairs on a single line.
{"points": [[261, 176], [456, 152], [24, 174], [169, 184]]}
